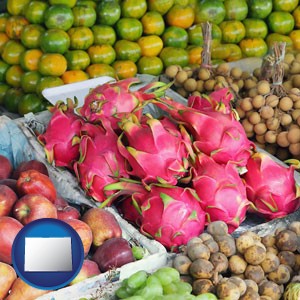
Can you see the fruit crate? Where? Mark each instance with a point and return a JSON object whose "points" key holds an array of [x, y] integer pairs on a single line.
{"points": [[18, 142]]}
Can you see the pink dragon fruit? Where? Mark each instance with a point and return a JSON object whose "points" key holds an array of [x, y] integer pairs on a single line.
{"points": [[221, 191], [217, 134], [116, 100], [100, 162], [156, 150], [171, 215], [62, 136], [271, 186]]}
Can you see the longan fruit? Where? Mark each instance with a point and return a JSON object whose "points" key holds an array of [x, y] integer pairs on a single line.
{"points": [[289, 57], [294, 135], [248, 127], [172, 70], [298, 120], [252, 92], [203, 74], [236, 72], [258, 101], [260, 138], [190, 85], [200, 86], [254, 117], [249, 83], [240, 112], [296, 80], [209, 85], [181, 77], [282, 140], [182, 92], [245, 75], [272, 123], [286, 103], [295, 67], [272, 100], [196, 93], [286, 119], [263, 87], [294, 149], [223, 68], [271, 136], [235, 87], [257, 72], [294, 94], [246, 104], [260, 128], [189, 71], [266, 112], [296, 104], [287, 85]]}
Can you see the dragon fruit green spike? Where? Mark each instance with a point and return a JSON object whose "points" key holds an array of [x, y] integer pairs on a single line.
{"points": [[155, 150], [271, 186], [100, 162], [115, 100], [221, 191], [217, 134], [171, 215], [62, 136]]}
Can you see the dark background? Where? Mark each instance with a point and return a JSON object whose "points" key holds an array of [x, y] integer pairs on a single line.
{"points": [[2, 5]]}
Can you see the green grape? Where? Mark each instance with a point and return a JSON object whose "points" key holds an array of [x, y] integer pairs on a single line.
{"points": [[138, 252], [121, 293], [206, 296], [135, 298], [150, 291], [173, 297], [137, 279], [152, 280], [184, 288], [166, 275], [170, 288]]}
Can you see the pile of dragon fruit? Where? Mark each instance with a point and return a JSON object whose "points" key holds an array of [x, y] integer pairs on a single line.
{"points": [[169, 175]]}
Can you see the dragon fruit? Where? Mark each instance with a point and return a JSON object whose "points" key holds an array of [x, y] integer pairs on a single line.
{"points": [[100, 162], [271, 186], [155, 149], [62, 136], [221, 191], [116, 100], [217, 134], [171, 215]]}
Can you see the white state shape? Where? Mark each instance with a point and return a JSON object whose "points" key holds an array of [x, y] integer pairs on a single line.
{"points": [[48, 254]]}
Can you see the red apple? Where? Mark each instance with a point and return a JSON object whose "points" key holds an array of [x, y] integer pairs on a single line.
{"points": [[30, 165], [7, 199], [67, 212], [60, 202], [9, 228], [113, 253], [12, 183], [34, 182], [33, 207], [7, 277], [84, 231], [103, 223], [21, 290], [89, 269], [6, 167]]}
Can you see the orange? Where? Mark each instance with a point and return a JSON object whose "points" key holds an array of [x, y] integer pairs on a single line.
{"points": [[14, 26], [52, 64], [97, 70], [16, 7], [153, 23], [55, 41], [12, 98], [58, 16], [174, 56], [13, 75], [127, 50], [48, 82], [74, 76], [104, 34], [29, 103], [175, 36], [151, 65], [3, 20], [29, 59], [30, 36], [102, 54], [233, 31], [69, 3], [161, 6], [3, 39], [220, 51], [34, 11], [81, 38], [77, 59], [151, 45], [296, 15], [84, 15], [277, 37], [3, 89], [181, 16], [3, 68], [29, 81], [295, 36], [125, 69], [133, 8], [235, 52], [11, 52], [256, 47], [108, 12], [129, 29], [194, 53]]}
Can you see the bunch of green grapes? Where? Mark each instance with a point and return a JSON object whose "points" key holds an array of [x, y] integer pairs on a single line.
{"points": [[163, 284]]}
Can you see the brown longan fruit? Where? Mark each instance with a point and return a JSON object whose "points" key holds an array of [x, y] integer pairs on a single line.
{"points": [[271, 136], [282, 140], [295, 67], [294, 94], [257, 72], [240, 112], [246, 104], [266, 112], [200, 86], [209, 85], [203, 74], [298, 120], [272, 123], [286, 119], [287, 85], [252, 92], [296, 80], [260, 138], [245, 75], [296, 104], [182, 92], [254, 117], [295, 113], [181, 77], [289, 57], [272, 100], [172, 70], [263, 87], [285, 103], [190, 84], [248, 127], [236, 72], [260, 128], [294, 149], [223, 68], [294, 135], [258, 101], [249, 83]]}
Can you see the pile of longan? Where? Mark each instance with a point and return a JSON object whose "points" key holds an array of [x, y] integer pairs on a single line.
{"points": [[247, 267]]}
